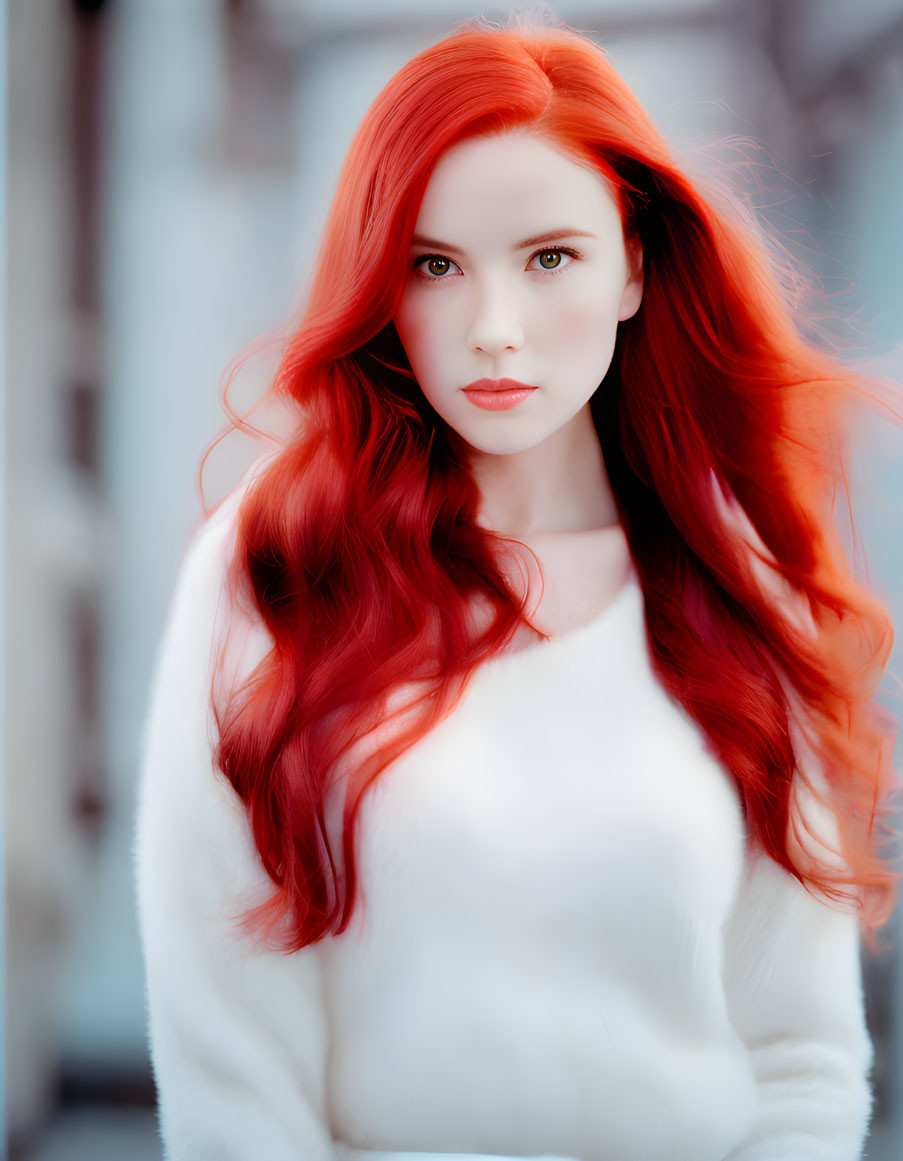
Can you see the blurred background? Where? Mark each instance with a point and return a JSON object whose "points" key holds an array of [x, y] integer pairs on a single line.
{"points": [[169, 165]]}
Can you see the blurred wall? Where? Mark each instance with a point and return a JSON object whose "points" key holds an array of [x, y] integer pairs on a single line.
{"points": [[54, 557], [171, 221]]}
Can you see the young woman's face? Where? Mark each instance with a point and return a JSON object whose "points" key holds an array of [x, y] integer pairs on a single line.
{"points": [[519, 275]]}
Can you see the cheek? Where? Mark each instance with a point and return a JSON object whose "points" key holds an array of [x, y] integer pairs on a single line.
{"points": [[583, 325], [420, 333]]}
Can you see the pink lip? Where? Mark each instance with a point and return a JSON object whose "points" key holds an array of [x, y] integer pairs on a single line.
{"points": [[497, 394]]}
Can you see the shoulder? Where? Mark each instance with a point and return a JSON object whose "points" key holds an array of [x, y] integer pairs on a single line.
{"points": [[202, 620], [184, 804], [200, 585], [209, 548], [785, 600]]}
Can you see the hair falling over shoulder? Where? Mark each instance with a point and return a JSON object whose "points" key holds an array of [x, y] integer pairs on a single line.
{"points": [[358, 549]]}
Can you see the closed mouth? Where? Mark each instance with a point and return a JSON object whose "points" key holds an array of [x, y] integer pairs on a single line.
{"points": [[498, 385]]}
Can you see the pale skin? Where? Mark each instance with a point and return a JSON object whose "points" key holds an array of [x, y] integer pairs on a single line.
{"points": [[520, 270]]}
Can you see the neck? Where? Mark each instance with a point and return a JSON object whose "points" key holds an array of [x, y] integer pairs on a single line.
{"points": [[559, 485]]}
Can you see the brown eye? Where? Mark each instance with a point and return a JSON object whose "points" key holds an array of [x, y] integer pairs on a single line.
{"points": [[556, 259], [438, 266]]}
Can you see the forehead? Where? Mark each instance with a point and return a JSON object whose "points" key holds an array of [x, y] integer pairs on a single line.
{"points": [[516, 180]]}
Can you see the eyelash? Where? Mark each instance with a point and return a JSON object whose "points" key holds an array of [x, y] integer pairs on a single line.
{"points": [[419, 261]]}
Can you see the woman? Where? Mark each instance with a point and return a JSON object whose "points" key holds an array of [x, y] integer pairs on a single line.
{"points": [[511, 783]]}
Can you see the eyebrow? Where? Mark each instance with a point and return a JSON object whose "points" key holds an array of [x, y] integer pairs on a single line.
{"points": [[536, 240]]}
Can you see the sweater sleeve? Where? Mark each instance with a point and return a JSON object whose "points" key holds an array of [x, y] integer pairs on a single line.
{"points": [[238, 1034], [794, 992]]}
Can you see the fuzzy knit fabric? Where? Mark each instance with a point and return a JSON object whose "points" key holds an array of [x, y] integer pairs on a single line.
{"points": [[564, 948]]}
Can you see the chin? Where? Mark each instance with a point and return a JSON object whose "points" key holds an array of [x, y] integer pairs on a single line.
{"points": [[500, 443]]}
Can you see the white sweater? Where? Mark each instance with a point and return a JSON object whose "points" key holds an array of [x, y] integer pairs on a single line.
{"points": [[563, 949]]}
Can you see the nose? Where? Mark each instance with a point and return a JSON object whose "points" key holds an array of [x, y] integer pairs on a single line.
{"points": [[495, 325]]}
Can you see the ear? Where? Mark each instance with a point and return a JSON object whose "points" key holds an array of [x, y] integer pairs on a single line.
{"points": [[633, 288]]}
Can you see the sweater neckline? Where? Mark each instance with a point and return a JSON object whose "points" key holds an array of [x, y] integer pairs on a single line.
{"points": [[547, 646], [609, 613]]}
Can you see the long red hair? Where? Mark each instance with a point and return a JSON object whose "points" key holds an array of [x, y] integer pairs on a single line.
{"points": [[357, 545]]}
